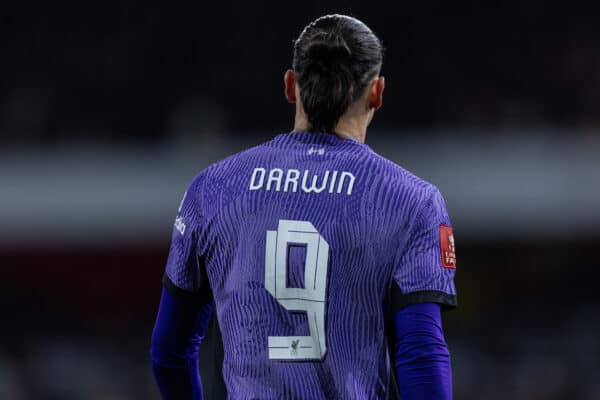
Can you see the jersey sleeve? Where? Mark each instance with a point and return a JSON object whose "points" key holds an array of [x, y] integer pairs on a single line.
{"points": [[425, 271], [185, 273]]}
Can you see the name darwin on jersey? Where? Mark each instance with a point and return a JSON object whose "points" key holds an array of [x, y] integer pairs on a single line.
{"points": [[294, 180]]}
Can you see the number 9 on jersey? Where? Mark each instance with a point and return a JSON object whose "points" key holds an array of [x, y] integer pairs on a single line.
{"points": [[310, 298]]}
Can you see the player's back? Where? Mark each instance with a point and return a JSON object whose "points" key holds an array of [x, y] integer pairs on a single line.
{"points": [[301, 239]]}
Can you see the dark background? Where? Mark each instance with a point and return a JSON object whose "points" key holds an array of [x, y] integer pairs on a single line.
{"points": [[120, 98], [117, 70]]}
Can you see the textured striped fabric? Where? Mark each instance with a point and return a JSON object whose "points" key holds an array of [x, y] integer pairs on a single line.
{"points": [[300, 241]]}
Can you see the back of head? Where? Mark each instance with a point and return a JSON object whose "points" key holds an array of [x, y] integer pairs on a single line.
{"points": [[335, 58]]}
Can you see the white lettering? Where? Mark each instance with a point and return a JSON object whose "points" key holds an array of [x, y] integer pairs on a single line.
{"points": [[180, 225], [288, 181], [291, 179], [275, 176], [257, 185], [313, 187], [182, 200], [341, 183], [332, 185]]}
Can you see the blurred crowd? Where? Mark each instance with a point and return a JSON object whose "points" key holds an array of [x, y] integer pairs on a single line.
{"points": [[526, 327], [119, 71], [557, 364]]}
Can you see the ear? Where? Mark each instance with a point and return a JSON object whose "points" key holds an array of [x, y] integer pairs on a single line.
{"points": [[376, 92], [289, 79]]}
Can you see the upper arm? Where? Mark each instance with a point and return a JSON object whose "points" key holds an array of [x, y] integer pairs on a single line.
{"points": [[185, 272], [426, 266]]}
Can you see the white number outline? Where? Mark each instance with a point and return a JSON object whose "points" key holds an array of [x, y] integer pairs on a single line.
{"points": [[310, 299]]}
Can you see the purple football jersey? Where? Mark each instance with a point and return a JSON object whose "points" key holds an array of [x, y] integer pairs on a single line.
{"points": [[301, 240]]}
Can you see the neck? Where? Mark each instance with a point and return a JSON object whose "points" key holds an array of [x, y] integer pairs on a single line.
{"points": [[352, 128], [348, 127]]}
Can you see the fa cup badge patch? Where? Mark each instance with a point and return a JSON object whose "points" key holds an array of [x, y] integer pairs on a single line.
{"points": [[447, 249]]}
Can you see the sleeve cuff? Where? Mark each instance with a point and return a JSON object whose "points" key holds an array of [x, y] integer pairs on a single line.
{"points": [[400, 300], [204, 296]]}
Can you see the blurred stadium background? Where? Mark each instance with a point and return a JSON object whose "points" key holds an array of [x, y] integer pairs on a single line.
{"points": [[108, 109]]}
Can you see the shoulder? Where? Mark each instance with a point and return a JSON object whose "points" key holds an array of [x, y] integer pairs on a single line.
{"points": [[411, 201], [399, 180], [218, 176], [229, 166]]}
